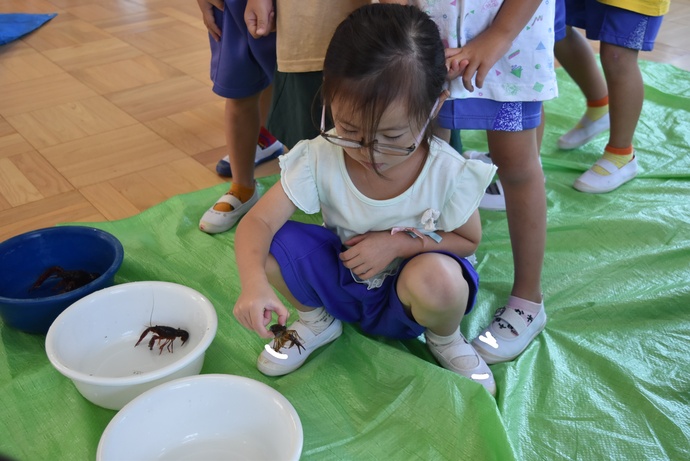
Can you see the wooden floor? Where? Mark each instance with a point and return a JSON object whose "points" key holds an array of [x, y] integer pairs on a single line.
{"points": [[107, 109]]}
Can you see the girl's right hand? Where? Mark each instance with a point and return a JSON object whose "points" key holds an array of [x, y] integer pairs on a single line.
{"points": [[206, 7], [254, 310]]}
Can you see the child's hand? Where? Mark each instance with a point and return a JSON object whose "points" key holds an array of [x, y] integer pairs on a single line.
{"points": [[254, 310], [206, 7], [478, 56], [260, 17], [369, 253]]}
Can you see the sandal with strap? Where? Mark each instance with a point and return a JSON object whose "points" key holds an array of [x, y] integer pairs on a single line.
{"points": [[215, 222], [509, 334]]}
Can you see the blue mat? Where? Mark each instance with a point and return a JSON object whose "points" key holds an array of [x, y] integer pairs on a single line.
{"points": [[16, 25]]}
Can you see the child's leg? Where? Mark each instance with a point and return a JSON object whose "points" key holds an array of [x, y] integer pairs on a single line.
{"points": [[267, 146], [520, 321], [432, 285], [626, 93], [242, 124], [575, 54], [433, 288], [517, 158], [577, 58]]}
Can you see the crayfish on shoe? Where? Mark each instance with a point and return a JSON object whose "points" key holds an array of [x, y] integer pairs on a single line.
{"points": [[283, 335]]}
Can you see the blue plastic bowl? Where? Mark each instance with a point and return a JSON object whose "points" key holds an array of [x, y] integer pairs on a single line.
{"points": [[25, 257]]}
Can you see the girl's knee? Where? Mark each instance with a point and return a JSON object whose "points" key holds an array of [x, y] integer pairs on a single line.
{"points": [[434, 281]]}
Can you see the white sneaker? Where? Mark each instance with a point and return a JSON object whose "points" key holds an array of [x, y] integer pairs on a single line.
{"points": [[476, 155], [494, 198], [508, 335], [215, 222], [271, 365], [584, 132], [267, 148], [461, 358], [595, 183]]}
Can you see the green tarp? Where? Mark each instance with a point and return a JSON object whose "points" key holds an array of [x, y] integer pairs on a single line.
{"points": [[609, 378]]}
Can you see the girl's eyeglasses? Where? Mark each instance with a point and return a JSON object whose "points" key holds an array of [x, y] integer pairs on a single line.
{"points": [[386, 149]]}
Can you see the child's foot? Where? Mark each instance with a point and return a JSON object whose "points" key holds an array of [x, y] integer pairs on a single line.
{"points": [[511, 330], [460, 357], [608, 173], [586, 130], [267, 148], [313, 334], [227, 210]]}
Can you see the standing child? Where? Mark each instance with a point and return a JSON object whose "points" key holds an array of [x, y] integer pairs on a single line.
{"points": [[242, 69], [399, 206], [623, 28], [501, 67]]}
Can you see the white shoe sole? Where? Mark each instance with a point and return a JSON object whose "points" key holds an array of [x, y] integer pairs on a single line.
{"points": [[578, 137]]}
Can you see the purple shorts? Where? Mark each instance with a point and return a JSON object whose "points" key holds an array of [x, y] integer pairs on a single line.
{"points": [[308, 258], [559, 21], [241, 65], [486, 114], [613, 25]]}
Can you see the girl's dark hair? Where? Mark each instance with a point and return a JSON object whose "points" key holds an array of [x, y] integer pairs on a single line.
{"points": [[381, 53]]}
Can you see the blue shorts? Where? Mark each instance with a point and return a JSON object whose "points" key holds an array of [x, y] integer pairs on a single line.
{"points": [[308, 258], [486, 114], [241, 65], [559, 21], [613, 25]]}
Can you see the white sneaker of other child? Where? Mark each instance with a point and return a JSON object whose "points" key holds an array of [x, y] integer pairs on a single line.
{"points": [[512, 329], [315, 328], [267, 148], [454, 353]]}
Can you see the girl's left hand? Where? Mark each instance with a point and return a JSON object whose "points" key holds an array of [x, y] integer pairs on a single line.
{"points": [[478, 56], [369, 253]]}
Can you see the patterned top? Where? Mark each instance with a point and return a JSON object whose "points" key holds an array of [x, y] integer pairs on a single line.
{"points": [[525, 73]]}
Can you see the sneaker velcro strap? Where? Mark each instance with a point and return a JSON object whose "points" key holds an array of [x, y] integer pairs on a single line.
{"points": [[606, 165], [231, 199], [515, 320]]}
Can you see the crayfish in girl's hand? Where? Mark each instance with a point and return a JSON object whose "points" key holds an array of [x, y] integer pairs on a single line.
{"points": [[165, 336], [283, 335]]}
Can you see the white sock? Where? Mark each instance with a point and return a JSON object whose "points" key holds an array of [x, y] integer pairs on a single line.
{"points": [[316, 320], [441, 341]]}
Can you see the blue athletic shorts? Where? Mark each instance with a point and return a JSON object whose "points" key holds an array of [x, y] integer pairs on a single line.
{"points": [[559, 21], [613, 25], [486, 114], [308, 258], [241, 65]]}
